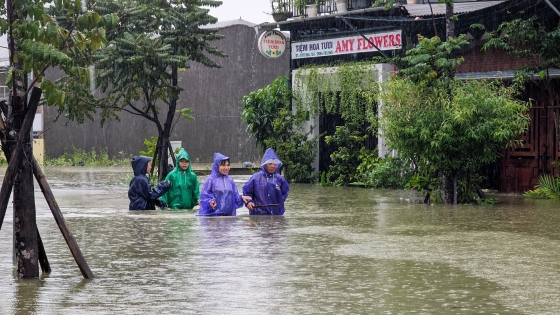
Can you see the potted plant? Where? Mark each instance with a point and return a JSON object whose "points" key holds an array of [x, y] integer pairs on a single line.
{"points": [[341, 6], [313, 7], [280, 10], [300, 6]]}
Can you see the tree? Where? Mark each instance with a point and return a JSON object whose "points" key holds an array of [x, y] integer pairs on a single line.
{"points": [[37, 42], [447, 125], [138, 71]]}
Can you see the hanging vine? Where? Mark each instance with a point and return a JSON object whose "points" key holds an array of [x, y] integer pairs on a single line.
{"points": [[348, 89]]}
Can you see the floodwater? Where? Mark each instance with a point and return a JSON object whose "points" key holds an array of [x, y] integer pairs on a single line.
{"points": [[335, 251]]}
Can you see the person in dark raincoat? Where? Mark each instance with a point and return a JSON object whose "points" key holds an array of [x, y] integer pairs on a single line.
{"points": [[141, 194], [185, 188], [267, 189], [219, 196]]}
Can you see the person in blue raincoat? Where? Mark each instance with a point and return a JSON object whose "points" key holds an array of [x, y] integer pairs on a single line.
{"points": [[141, 194], [219, 196], [267, 189]]}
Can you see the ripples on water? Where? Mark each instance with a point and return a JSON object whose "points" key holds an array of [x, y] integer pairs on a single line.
{"points": [[336, 251]]}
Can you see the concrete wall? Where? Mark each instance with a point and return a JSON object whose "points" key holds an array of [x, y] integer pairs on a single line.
{"points": [[214, 94]]}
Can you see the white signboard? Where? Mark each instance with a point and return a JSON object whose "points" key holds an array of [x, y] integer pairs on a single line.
{"points": [[272, 44], [347, 45]]}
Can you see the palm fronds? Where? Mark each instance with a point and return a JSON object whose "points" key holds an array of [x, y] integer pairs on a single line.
{"points": [[548, 187]]}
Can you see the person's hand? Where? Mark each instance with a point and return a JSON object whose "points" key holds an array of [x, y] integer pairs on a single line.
{"points": [[246, 198], [213, 203], [250, 205]]}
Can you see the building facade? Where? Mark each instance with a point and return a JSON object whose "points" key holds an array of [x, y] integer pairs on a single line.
{"points": [[333, 36]]}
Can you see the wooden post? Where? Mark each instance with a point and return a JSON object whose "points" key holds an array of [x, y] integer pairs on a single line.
{"points": [[25, 228], [9, 176], [53, 205], [8, 182]]}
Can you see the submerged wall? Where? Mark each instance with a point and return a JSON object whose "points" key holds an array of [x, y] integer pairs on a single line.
{"points": [[214, 94]]}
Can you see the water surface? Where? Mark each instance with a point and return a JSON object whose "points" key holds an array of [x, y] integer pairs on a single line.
{"points": [[335, 251]]}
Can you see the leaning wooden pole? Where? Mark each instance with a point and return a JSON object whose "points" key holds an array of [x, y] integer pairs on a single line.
{"points": [[57, 214], [43, 261], [9, 176]]}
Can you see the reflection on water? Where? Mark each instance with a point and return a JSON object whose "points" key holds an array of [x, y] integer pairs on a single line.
{"points": [[336, 251]]}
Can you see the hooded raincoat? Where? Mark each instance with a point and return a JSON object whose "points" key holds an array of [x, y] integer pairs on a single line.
{"points": [[220, 188], [142, 196], [266, 188], [185, 188]]}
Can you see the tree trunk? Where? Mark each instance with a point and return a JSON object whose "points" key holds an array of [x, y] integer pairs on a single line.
{"points": [[451, 188], [167, 127], [164, 156], [449, 22], [455, 192]]}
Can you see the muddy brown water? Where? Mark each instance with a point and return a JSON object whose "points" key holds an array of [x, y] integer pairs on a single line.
{"points": [[335, 251]]}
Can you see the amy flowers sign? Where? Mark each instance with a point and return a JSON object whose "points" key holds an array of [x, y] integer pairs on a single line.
{"points": [[347, 45], [272, 44]]}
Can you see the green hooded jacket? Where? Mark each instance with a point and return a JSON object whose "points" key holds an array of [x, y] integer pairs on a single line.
{"points": [[185, 188]]}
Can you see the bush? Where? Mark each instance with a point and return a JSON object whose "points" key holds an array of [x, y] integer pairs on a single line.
{"points": [[80, 157], [389, 172]]}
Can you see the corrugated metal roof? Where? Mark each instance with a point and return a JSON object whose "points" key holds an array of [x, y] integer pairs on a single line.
{"points": [[439, 8]]}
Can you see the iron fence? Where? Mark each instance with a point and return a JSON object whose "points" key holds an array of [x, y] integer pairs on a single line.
{"points": [[295, 8]]}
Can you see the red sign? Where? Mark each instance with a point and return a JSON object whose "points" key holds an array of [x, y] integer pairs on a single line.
{"points": [[272, 44]]}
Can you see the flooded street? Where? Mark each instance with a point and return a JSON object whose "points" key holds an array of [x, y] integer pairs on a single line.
{"points": [[335, 251]]}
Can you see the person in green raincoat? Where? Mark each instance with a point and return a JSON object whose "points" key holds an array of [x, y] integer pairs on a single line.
{"points": [[184, 192]]}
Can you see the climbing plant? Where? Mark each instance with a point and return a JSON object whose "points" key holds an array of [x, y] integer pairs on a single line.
{"points": [[347, 89]]}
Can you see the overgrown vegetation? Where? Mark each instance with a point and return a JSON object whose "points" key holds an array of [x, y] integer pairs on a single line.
{"points": [[446, 126], [270, 119], [348, 90], [80, 157], [548, 187], [349, 155], [538, 46], [390, 172]]}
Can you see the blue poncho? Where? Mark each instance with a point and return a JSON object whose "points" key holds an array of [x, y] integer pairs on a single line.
{"points": [[268, 188], [220, 188], [140, 193]]}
